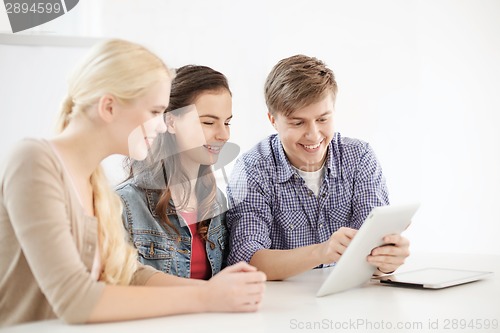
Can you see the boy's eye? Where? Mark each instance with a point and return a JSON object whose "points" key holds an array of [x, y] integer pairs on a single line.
{"points": [[207, 123], [227, 124]]}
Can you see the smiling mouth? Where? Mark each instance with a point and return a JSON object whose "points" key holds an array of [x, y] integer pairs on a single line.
{"points": [[213, 149], [312, 147]]}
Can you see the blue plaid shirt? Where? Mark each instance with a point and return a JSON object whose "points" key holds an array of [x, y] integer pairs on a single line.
{"points": [[272, 208]]}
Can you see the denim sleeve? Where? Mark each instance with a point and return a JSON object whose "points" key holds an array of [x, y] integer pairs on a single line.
{"points": [[126, 213], [249, 215], [370, 189]]}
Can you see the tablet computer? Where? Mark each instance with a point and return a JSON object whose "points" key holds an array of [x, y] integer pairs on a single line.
{"points": [[432, 278], [352, 269]]}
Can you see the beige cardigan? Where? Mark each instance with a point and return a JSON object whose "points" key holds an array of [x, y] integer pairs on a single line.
{"points": [[47, 243]]}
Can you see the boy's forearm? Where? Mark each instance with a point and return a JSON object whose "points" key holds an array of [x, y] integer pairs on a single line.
{"points": [[282, 264]]}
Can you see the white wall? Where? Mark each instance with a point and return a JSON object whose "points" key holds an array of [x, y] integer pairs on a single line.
{"points": [[419, 80]]}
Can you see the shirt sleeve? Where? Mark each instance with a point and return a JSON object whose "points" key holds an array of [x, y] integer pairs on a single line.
{"points": [[143, 274], [249, 215], [370, 189], [35, 200]]}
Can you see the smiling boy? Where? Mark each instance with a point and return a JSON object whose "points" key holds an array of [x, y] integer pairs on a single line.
{"points": [[298, 197]]}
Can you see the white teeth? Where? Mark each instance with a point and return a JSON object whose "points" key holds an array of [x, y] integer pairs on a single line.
{"points": [[213, 147], [312, 147]]}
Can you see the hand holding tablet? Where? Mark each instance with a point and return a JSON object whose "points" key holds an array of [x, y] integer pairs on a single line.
{"points": [[353, 269]]}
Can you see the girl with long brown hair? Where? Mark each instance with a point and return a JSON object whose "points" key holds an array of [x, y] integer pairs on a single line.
{"points": [[174, 212]]}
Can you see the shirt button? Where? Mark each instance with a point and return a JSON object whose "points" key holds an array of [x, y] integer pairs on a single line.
{"points": [[291, 226], [320, 225], [324, 195], [311, 193]]}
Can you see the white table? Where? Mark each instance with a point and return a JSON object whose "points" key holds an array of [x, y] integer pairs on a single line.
{"points": [[290, 306]]}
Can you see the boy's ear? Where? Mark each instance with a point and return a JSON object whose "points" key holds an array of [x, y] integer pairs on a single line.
{"points": [[170, 122], [272, 119], [106, 108]]}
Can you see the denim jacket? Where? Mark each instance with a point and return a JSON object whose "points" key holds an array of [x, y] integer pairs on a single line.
{"points": [[161, 247]]}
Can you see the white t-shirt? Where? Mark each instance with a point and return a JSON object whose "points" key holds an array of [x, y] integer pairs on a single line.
{"points": [[313, 179]]}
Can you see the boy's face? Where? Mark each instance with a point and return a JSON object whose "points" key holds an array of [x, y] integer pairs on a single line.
{"points": [[306, 133]]}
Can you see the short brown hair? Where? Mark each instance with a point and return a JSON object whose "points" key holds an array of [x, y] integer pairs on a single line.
{"points": [[297, 82]]}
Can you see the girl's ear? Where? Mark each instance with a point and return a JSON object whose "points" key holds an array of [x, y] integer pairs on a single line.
{"points": [[106, 108], [170, 122]]}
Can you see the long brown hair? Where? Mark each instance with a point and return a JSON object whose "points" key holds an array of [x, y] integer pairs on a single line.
{"points": [[107, 70], [160, 173]]}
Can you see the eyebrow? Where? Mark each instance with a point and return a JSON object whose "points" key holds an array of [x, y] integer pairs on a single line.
{"points": [[214, 117], [322, 115]]}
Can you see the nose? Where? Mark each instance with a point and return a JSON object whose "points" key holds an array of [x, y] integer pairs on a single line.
{"points": [[222, 133], [312, 131]]}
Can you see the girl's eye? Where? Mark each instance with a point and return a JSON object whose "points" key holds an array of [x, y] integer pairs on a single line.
{"points": [[207, 123], [297, 123], [227, 124], [156, 113]]}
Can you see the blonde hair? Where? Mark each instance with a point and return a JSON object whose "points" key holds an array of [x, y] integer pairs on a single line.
{"points": [[126, 71], [297, 82]]}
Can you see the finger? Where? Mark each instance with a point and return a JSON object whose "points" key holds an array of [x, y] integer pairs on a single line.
{"points": [[240, 267], [342, 242], [385, 260], [253, 299], [248, 307], [391, 250], [384, 250], [246, 304], [396, 239], [250, 277], [387, 269], [342, 239], [334, 248], [348, 232], [256, 289]]}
